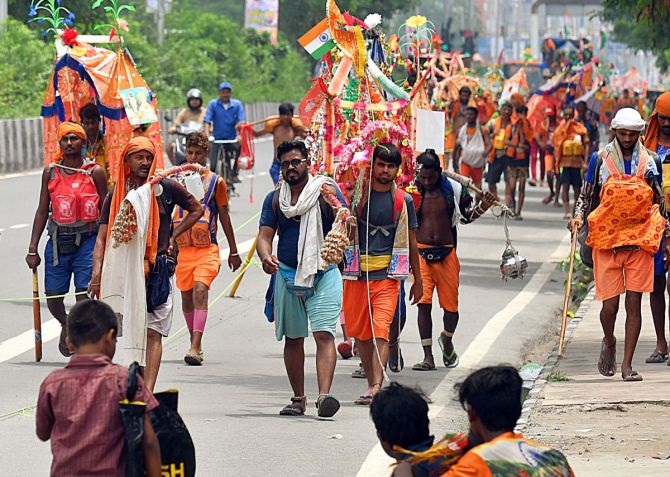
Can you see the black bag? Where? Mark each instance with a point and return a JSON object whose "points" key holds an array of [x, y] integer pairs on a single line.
{"points": [[132, 417], [158, 281], [435, 254], [177, 449]]}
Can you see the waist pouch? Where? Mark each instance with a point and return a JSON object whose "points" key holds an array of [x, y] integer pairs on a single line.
{"points": [[435, 254], [158, 281], [288, 274]]}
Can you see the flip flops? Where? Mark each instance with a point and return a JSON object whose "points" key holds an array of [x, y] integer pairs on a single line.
{"points": [[396, 363], [327, 405], [631, 376], [450, 360], [62, 344], [607, 364], [657, 357], [359, 373]]}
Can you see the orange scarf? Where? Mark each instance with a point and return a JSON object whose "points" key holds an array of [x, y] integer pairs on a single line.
{"points": [[135, 145], [567, 129], [653, 128]]}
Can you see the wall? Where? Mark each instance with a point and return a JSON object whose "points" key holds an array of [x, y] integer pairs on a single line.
{"points": [[21, 139]]}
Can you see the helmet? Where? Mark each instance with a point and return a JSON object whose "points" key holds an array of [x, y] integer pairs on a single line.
{"points": [[193, 94]]}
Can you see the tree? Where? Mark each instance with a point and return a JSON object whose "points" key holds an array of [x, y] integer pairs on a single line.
{"points": [[641, 24]]}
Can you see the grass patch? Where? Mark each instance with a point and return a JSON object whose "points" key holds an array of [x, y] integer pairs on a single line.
{"points": [[557, 377]]}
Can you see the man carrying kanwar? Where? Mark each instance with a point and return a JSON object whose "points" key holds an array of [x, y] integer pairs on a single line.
{"points": [[518, 137], [571, 153], [90, 119], [455, 116], [473, 146], [283, 128], [657, 139], [304, 293], [71, 195], [625, 231], [120, 269], [199, 258], [498, 160], [385, 247], [444, 204]]}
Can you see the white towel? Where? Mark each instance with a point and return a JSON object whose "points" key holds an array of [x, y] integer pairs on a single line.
{"points": [[473, 151]]}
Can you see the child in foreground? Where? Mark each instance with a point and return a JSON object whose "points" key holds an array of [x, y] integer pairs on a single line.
{"points": [[78, 406]]}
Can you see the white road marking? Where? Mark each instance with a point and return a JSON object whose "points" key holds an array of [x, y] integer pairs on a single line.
{"points": [[377, 463], [26, 341], [18, 226], [21, 174], [242, 248]]}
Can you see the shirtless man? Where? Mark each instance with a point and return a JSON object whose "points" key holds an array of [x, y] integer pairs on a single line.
{"points": [[436, 242], [283, 129]]}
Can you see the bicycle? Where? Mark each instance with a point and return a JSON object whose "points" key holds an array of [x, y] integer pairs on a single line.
{"points": [[226, 155]]}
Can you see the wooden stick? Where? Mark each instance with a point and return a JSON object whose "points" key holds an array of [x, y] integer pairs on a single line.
{"points": [[37, 317], [243, 270], [276, 116], [468, 184], [568, 292]]}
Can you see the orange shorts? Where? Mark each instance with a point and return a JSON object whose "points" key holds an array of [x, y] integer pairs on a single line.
{"points": [[442, 275], [474, 173], [383, 300], [197, 264], [549, 163], [617, 272]]}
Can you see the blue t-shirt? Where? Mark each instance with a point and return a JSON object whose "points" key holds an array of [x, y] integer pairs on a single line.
{"points": [[224, 118], [287, 246]]}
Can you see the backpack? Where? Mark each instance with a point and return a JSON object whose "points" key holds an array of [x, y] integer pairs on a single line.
{"points": [[201, 234], [74, 198]]}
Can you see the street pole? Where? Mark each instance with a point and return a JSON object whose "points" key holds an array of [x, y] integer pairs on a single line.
{"points": [[160, 21], [3, 14]]}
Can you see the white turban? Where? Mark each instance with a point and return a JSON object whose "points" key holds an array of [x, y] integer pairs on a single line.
{"points": [[628, 118]]}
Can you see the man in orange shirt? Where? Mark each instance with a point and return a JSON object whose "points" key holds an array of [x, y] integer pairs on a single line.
{"points": [[571, 153], [518, 136], [498, 159]]}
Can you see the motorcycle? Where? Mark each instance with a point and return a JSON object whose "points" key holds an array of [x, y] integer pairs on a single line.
{"points": [[179, 144]]}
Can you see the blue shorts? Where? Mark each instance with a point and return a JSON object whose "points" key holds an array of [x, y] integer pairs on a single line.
{"points": [[274, 172], [496, 170], [322, 310], [571, 176], [79, 264], [659, 264]]}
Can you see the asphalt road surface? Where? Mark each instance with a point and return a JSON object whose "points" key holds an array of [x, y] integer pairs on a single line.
{"points": [[231, 403]]}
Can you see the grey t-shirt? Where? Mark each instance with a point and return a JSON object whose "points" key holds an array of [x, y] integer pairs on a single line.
{"points": [[381, 228]]}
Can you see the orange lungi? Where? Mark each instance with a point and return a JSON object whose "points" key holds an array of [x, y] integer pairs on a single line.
{"points": [[383, 301], [617, 272], [474, 173], [197, 264], [445, 276]]}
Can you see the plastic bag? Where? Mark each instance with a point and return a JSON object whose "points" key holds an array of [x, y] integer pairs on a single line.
{"points": [[177, 449], [132, 417]]}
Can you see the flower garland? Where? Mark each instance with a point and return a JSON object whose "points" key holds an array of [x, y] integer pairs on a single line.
{"points": [[373, 133]]}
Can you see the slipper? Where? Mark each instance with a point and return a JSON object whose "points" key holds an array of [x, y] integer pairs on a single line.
{"points": [[657, 357], [193, 359], [363, 400], [450, 360], [62, 345], [296, 408], [607, 365], [345, 350], [631, 376], [359, 373], [327, 405], [424, 366], [396, 363]]}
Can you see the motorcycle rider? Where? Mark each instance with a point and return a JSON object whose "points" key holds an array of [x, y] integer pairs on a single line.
{"points": [[194, 112]]}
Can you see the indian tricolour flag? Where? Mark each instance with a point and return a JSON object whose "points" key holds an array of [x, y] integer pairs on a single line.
{"points": [[318, 41]]}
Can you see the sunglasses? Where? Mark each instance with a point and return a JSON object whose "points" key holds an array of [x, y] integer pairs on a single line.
{"points": [[294, 163]]}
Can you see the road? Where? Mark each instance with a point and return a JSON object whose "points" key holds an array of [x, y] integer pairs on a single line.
{"points": [[231, 403]]}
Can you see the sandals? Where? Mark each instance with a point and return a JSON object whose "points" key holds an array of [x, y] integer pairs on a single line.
{"points": [[296, 408], [424, 366], [62, 344], [194, 359], [359, 373], [657, 357], [327, 405], [396, 363], [366, 399], [450, 360], [631, 376], [607, 364]]}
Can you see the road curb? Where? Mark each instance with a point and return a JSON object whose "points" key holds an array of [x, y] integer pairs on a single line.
{"points": [[551, 363]]}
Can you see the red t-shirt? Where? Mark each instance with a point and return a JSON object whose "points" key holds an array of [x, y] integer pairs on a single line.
{"points": [[78, 407]]}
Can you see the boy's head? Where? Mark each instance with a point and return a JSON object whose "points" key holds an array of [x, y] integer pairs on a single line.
{"points": [[492, 398], [400, 415], [91, 328], [286, 113], [197, 148]]}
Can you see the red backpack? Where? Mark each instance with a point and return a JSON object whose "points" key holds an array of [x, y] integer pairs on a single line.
{"points": [[74, 197]]}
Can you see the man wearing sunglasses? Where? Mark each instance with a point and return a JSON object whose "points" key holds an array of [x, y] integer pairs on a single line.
{"points": [[303, 293]]}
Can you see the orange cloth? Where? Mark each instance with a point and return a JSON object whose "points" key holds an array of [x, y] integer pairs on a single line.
{"points": [[567, 130], [617, 272], [519, 134], [517, 99], [197, 265], [63, 130], [442, 275], [626, 215], [498, 141], [383, 300], [474, 173], [653, 128], [135, 145]]}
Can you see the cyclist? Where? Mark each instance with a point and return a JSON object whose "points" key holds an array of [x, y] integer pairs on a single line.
{"points": [[222, 118], [193, 112]]}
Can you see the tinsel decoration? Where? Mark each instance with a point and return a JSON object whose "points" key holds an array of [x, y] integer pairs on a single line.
{"points": [[332, 251], [125, 225]]}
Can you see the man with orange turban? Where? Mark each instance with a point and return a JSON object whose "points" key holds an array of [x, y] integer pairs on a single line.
{"points": [[71, 195], [657, 140], [135, 170]]}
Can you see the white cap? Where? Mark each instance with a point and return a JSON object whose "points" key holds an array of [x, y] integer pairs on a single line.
{"points": [[628, 118]]}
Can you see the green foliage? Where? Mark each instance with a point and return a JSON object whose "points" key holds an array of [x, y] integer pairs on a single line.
{"points": [[641, 24], [557, 377], [25, 66], [582, 276]]}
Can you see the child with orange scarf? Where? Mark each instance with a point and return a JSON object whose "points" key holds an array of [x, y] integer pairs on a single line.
{"points": [[571, 155], [135, 169]]}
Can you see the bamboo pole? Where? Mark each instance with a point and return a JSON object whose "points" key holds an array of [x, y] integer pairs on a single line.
{"points": [[568, 292], [243, 270]]}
